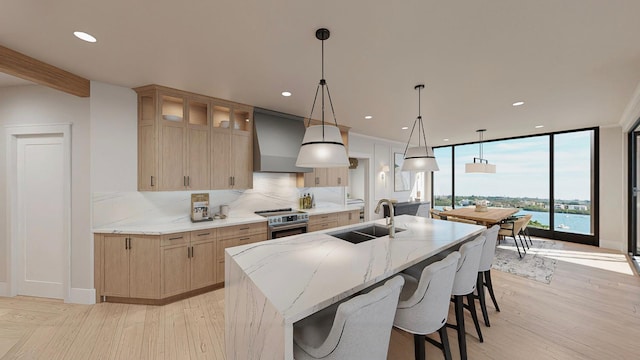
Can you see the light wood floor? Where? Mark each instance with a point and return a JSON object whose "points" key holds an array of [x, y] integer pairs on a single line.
{"points": [[591, 310]]}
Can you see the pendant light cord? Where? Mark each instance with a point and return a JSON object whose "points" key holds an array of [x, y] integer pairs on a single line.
{"points": [[420, 123], [324, 85]]}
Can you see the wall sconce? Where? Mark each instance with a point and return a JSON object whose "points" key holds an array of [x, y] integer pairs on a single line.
{"points": [[383, 170]]}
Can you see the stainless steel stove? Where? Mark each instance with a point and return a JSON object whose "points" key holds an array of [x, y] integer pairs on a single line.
{"points": [[285, 222]]}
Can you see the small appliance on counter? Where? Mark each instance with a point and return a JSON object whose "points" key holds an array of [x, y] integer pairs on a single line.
{"points": [[224, 211], [200, 208]]}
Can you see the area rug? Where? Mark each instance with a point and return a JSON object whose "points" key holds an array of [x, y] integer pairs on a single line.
{"points": [[536, 264]]}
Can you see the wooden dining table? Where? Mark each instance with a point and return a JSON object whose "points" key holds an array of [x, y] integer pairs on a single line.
{"points": [[491, 216]]}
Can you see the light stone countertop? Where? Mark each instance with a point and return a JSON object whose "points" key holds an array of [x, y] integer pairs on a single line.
{"points": [[330, 209], [302, 274], [177, 225], [182, 224]]}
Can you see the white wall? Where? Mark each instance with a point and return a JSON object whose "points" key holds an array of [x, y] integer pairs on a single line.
{"points": [[35, 105], [613, 189], [381, 153], [114, 140]]}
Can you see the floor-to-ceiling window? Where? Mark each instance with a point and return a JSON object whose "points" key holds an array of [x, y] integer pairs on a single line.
{"points": [[634, 190], [552, 177], [442, 189]]}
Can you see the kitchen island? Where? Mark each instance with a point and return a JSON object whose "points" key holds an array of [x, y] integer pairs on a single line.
{"points": [[271, 285]]}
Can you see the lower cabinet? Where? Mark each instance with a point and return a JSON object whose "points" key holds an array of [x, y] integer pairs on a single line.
{"points": [[159, 267], [235, 236], [331, 220], [187, 261], [348, 217], [323, 222], [131, 266]]}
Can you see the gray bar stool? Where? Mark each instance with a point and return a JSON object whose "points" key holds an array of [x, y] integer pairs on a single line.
{"points": [[424, 304], [358, 328], [464, 285]]}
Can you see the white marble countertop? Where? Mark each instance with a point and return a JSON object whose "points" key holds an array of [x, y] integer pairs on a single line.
{"points": [[161, 226], [330, 209], [302, 274], [182, 224]]}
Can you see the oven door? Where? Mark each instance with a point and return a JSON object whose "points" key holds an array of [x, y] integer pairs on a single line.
{"points": [[287, 230]]}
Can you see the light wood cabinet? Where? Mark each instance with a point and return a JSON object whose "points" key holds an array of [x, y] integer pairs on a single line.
{"points": [[349, 217], [231, 146], [188, 141], [131, 266], [160, 267], [322, 222], [188, 261], [237, 235]]}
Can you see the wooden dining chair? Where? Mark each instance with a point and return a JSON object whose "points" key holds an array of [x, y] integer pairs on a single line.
{"points": [[512, 228]]}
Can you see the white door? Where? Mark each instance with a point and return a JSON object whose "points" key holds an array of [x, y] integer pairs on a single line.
{"points": [[40, 204]]}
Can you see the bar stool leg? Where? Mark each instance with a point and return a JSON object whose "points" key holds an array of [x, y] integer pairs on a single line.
{"points": [[444, 338], [482, 298], [419, 345], [462, 342], [487, 277], [474, 315]]}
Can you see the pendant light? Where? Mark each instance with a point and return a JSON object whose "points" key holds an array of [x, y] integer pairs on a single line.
{"points": [[419, 158], [322, 145], [479, 164]]}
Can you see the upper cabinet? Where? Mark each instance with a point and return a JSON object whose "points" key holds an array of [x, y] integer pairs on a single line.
{"points": [[232, 146], [188, 141]]}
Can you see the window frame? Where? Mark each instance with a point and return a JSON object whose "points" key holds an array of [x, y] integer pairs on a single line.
{"points": [[551, 233]]}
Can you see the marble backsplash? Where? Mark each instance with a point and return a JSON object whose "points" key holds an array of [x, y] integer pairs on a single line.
{"points": [[270, 191]]}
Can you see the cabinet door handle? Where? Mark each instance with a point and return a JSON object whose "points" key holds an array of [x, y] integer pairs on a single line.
{"points": [[188, 252], [176, 238], [317, 180], [129, 243], [233, 180], [243, 239], [192, 251], [339, 180], [230, 181], [152, 180], [205, 234], [184, 181], [189, 180], [126, 243], [245, 228]]}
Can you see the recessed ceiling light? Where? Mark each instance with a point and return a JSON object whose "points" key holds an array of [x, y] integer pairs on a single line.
{"points": [[84, 36], [539, 126], [405, 127], [368, 117], [286, 94], [518, 103], [445, 139]]}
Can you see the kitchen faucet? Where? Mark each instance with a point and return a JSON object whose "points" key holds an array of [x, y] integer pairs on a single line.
{"points": [[390, 223]]}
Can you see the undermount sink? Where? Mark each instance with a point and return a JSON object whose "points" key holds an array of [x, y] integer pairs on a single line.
{"points": [[366, 233]]}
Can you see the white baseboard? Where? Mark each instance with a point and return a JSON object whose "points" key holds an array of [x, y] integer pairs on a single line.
{"points": [[4, 289], [82, 296]]}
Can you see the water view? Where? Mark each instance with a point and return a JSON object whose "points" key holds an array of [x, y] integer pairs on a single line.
{"points": [[575, 223]]}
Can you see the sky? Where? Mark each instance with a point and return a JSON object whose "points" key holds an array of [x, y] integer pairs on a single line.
{"points": [[522, 168]]}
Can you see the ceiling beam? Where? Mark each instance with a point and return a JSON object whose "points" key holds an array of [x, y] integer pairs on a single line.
{"points": [[28, 68]]}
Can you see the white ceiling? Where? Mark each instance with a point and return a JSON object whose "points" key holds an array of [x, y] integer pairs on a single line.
{"points": [[576, 63]]}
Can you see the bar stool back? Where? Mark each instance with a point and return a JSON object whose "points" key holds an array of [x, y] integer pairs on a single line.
{"points": [[359, 328], [424, 304]]}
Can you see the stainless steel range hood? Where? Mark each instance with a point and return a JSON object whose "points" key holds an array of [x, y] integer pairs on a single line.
{"points": [[276, 141]]}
